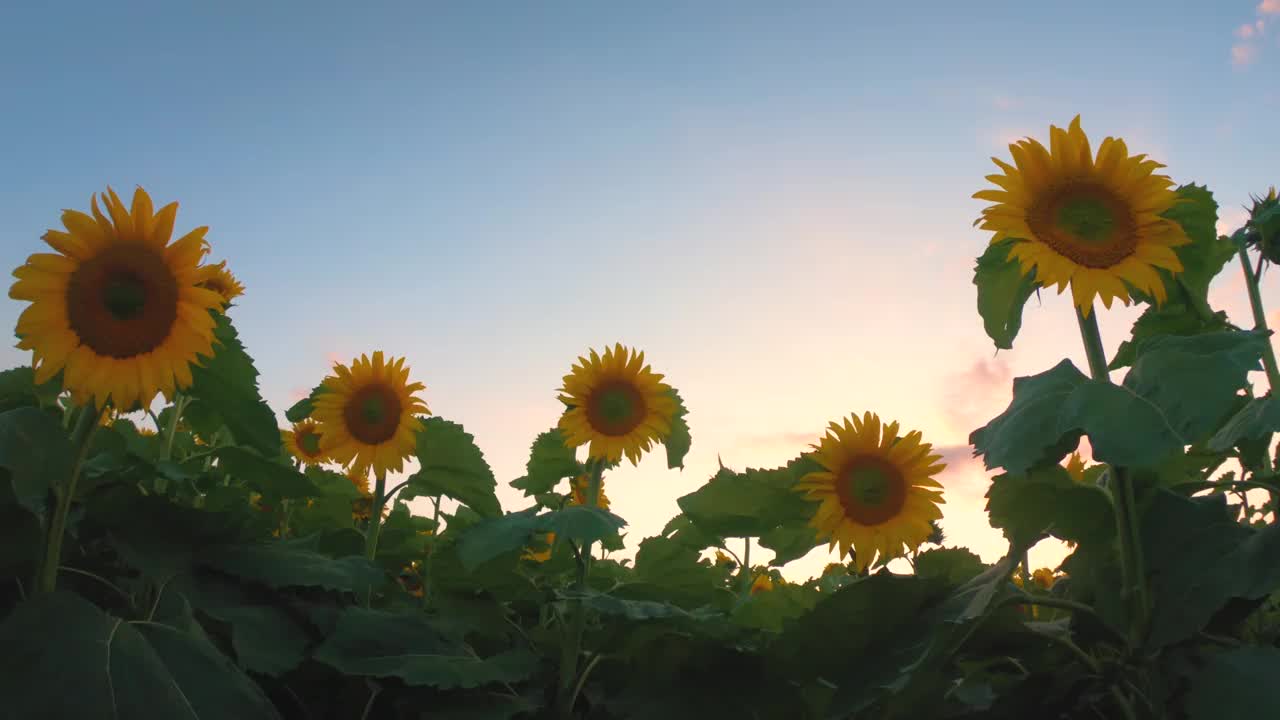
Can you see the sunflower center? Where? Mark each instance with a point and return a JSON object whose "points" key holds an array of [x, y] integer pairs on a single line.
{"points": [[309, 442], [615, 408], [123, 302], [871, 490], [1086, 223], [373, 414]]}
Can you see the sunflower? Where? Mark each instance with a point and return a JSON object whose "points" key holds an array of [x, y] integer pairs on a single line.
{"points": [[543, 555], [762, 583], [1075, 467], [367, 414], [724, 560], [617, 404], [1094, 223], [303, 442], [117, 308], [581, 486], [1043, 578], [874, 490], [220, 280]]}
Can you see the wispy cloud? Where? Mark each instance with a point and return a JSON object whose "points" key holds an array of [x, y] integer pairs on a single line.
{"points": [[1231, 219], [1004, 102], [975, 395], [1245, 50]]}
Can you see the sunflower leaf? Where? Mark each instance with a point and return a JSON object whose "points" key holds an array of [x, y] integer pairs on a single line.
{"points": [[1045, 501], [1203, 258], [1172, 318], [451, 464], [492, 537], [18, 389], [416, 649], [1238, 683], [550, 461], [1003, 289], [227, 384], [678, 441], [1194, 380], [746, 504], [302, 409], [265, 476], [35, 450], [1258, 419], [293, 563], [581, 523], [1026, 433], [120, 670]]}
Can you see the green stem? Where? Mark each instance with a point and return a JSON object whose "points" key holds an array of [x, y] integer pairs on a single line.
{"points": [[746, 566], [577, 622], [431, 554], [375, 516], [1260, 319], [179, 401], [1122, 495], [86, 423]]}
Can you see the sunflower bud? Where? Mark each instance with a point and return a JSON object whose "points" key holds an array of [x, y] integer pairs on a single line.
{"points": [[1264, 225]]}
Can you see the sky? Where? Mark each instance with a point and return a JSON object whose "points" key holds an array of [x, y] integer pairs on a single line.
{"points": [[772, 201]]}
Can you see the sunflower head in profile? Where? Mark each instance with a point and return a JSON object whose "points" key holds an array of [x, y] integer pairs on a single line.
{"points": [[876, 489], [367, 414], [723, 560], [303, 442], [1095, 223], [220, 280], [581, 485], [616, 405], [547, 542], [1043, 578], [117, 308], [762, 583]]}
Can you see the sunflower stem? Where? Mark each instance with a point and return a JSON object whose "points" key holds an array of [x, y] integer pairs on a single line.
{"points": [[577, 620], [1260, 319], [179, 401], [375, 523], [746, 566], [1122, 496], [431, 554], [86, 423]]}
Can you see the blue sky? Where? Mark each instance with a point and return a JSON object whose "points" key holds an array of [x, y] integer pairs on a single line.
{"points": [[771, 200]]}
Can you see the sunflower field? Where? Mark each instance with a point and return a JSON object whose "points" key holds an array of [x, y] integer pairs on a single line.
{"points": [[170, 552]]}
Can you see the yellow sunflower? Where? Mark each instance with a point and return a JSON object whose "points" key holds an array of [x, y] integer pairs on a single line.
{"points": [[367, 414], [580, 486], [1043, 578], [1092, 222], [303, 442], [874, 490], [724, 560], [544, 554], [762, 583], [220, 280], [617, 404], [117, 307]]}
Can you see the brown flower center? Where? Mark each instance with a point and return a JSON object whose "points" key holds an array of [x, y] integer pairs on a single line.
{"points": [[615, 408], [123, 302], [373, 414], [1086, 223], [871, 490], [308, 442]]}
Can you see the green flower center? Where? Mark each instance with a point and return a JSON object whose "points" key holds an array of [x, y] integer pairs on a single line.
{"points": [[615, 408], [872, 490], [1088, 218], [309, 442], [124, 296]]}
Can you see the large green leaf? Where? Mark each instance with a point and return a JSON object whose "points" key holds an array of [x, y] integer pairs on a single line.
{"points": [[789, 542], [65, 658], [1237, 683], [746, 504], [293, 563], [1003, 290], [550, 461], [669, 570], [495, 536], [268, 477], [1258, 419], [1203, 258], [678, 441], [1176, 317], [1044, 501], [1199, 558], [35, 450], [581, 524], [954, 565], [1024, 434], [451, 464], [1194, 380], [771, 610], [1050, 410], [18, 389], [227, 384], [266, 638], [416, 650]]}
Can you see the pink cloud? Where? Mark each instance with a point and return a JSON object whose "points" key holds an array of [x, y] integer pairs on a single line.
{"points": [[1245, 32], [1231, 219], [1243, 54], [978, 393], [1269, 7]]}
